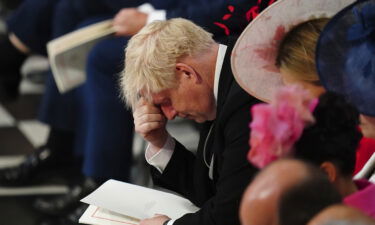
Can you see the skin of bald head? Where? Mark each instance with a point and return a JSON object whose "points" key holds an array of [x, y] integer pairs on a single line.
{"points": [[260, 200], [341, 214]]}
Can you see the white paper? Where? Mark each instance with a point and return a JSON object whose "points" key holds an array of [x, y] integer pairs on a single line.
{"points": [[67, 54], [368, 168], [138, 202], [98, 216]]}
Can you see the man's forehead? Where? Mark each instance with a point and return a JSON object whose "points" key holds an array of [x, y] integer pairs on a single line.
{"points": [[154, 98]]}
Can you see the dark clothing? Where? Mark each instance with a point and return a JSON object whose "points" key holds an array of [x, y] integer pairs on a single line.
{"points": [[210, 13], [93, 112], [101, 126], [32, 23], [36, 22], [109, 134], [188, 174]]}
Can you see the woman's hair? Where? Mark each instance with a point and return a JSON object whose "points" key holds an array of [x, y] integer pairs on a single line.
{"points": [[334, 137], [297, 50]]}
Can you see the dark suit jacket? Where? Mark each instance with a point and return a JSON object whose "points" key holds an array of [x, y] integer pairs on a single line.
{"points": [[188, 174], [219, 17]]}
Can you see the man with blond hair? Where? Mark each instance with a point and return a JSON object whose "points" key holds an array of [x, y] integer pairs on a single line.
{"points": [[174, 68]]}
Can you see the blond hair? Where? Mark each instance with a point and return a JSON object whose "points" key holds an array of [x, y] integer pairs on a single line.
{"points": [[151, 56], [297, 50]]}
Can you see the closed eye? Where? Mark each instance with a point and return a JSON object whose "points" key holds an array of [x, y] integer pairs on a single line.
{"points": [[163, 103], [166, 103]]}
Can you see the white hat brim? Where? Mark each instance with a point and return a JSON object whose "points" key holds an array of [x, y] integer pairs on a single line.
{"points": [[254, 54]]}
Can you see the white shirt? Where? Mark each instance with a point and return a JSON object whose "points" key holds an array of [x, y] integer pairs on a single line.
{"points": [[153, 14]]}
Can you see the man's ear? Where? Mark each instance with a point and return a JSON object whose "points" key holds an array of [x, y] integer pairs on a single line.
{"points": [[188, 72], [330, 169]]}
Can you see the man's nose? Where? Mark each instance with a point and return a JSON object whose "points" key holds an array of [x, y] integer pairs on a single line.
{"points": [[169, 112]]}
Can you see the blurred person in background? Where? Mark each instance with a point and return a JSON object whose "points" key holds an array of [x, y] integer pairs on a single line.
{"points": [[285, 54], [269, 199], [341, 215]]}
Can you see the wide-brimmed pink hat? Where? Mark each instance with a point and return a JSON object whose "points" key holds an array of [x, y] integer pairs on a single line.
{"points": [[254, 55]]}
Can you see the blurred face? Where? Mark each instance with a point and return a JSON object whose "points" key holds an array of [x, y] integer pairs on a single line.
{"points": [[188, 100], [367, 126], [335, 213], [289, 77]]}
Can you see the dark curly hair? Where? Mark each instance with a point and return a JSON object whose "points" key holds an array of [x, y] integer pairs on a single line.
{"points": [[334, 137]]}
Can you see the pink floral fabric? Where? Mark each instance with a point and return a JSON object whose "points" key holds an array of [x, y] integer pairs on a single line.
{"points": [[278, 125]]}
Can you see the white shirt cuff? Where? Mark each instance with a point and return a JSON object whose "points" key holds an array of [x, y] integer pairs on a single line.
{"points": [[170, 222], [146, 8], [160, 158], [156, 15]]}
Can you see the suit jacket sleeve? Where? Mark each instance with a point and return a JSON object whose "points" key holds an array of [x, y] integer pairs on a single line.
{"points": [[234, 176], [179, 173]]}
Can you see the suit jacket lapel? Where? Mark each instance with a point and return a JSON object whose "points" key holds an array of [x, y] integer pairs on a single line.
{"points": [[226, 76]]}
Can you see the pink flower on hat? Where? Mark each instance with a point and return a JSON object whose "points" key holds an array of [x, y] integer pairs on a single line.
{"points": [[278, 125]]}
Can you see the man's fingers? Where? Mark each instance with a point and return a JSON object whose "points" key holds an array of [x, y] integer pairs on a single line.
{"points": [[146, 109], [146, 128], [146, 118], [149, 121], [120, 16], [141, 122], [142, 102]]}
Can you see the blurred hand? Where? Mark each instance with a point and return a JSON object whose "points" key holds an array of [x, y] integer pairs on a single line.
{"points": [[129, 21], [150, 122], [156, 220]]}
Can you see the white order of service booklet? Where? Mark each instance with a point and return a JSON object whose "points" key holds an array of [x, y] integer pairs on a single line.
{"points": [[67, 54], [117, 202]]}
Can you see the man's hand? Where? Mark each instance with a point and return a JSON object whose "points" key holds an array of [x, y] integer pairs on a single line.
{"points": [[129, 21], [149, 122], [156, 220]]}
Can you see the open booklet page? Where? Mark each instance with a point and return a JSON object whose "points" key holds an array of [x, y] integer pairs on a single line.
{"points": [[67, 54], [99, 216], [137, 202]]}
